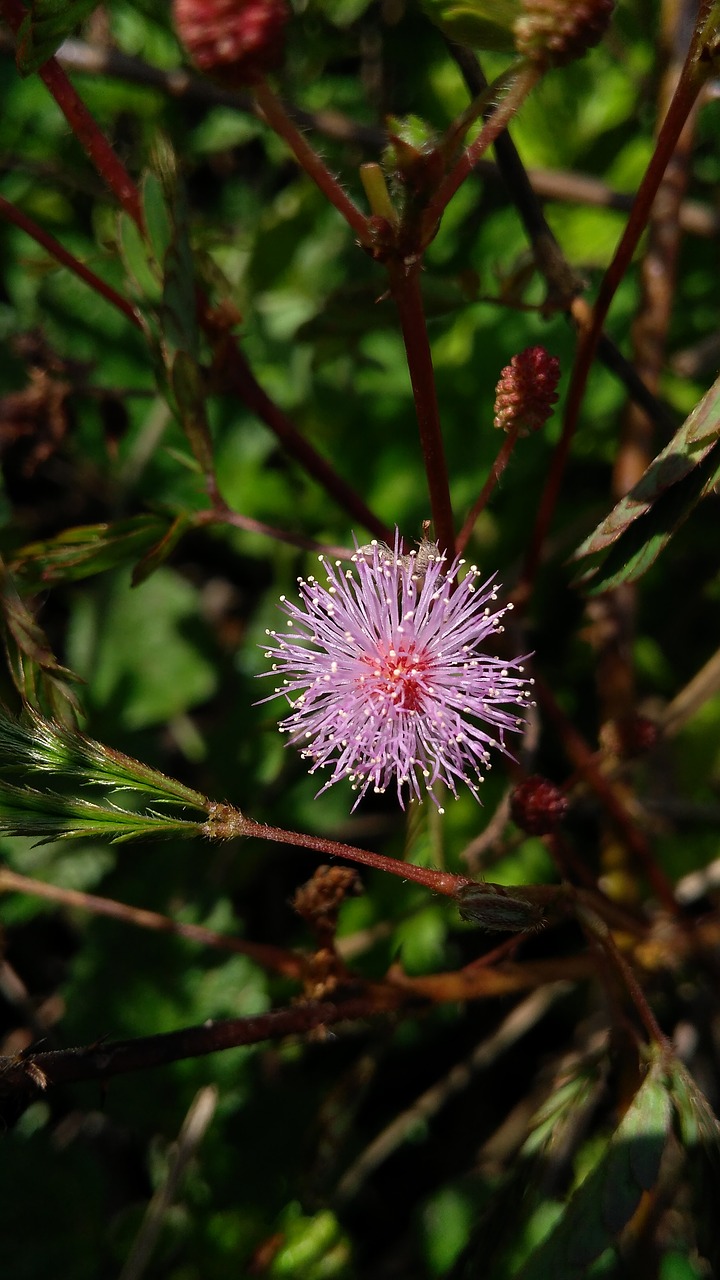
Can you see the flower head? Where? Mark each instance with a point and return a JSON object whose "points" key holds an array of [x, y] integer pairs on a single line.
{"points": [[385, 674]]}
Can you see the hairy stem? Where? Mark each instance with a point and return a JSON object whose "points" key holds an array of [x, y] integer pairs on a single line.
{"points": [[225, 823], [526, 77], [274, 113]]}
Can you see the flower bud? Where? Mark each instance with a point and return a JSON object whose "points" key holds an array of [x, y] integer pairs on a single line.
{"points": [[527, 391], [553, 32], [537, 806], [236, 41]]}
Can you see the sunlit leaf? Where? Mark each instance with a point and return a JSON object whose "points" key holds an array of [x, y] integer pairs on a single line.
{"points": [[631, 537], [608, 1197]]}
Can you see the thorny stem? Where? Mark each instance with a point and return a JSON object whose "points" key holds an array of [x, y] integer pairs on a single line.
{"points": [[89, 135], [274, 958], [225, 823], [274, 113], [691, 80], [19, 219], [523, 84], [405, 288], [498, 466]]}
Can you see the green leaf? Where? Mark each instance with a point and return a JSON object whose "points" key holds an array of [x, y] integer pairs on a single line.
{"points": [[158, 554], [54, 750], [481, 24], [631, 537], [699, 1133], [188, 385], [137, 256], [47, 24], [51, 754], [143, 653], [87, 550], [607, 1199], [47, 815]]}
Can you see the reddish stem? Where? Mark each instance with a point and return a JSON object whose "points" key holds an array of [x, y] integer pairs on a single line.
{"points": [[274, 113], [19, 219], [691, 80], [405, 286], [226, 823], [498, 466], [525, 81], [238, 377], [91, 138]]}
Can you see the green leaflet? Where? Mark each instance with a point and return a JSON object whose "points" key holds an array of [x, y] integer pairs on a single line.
{"points": [[630, 538], [47, 24], [604, 1203], [87, 550]]}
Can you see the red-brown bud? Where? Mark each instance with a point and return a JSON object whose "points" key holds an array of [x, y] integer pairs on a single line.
{"points": [[236, 41], [553, 32], [527, 391], [537, 806]]}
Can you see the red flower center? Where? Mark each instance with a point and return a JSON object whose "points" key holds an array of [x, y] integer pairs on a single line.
{"points": [[400, 676]]}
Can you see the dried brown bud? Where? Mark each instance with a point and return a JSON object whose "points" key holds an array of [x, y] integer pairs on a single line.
{"points": [[320, 899], [236, 41], [538, 806], [527, 391], [553, 32]]}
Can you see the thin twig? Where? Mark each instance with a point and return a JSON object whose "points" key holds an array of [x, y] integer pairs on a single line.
{"points": [[274, 958], [12, 214], [100, 1061], [526, 77], [683, 101], [517, 1024], [89, 135], [237, 377], [503, 457], [195, 1126]]}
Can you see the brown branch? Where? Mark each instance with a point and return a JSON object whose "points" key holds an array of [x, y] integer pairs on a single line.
{"points": [[274, 958], [23, 1072], [83, 58]]}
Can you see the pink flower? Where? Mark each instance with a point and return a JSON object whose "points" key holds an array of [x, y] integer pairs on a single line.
{"points": [[385, 675]]}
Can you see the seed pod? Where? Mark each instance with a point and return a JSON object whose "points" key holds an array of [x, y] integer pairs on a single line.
{"points": [[499, 910]]}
